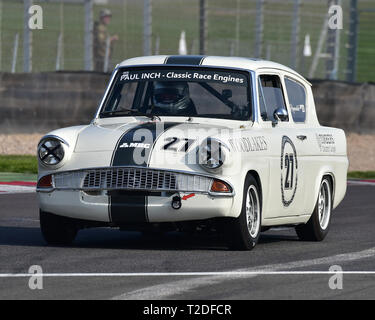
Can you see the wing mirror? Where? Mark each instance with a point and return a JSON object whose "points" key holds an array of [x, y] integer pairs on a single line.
{"points": [[280, 114]]}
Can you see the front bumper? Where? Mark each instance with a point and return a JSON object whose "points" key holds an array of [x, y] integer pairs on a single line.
{"points": [[143, 195], [79, 205], [135, 179]]}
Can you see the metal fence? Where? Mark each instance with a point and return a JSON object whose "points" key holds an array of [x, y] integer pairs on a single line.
{"points": [[279, 30]]}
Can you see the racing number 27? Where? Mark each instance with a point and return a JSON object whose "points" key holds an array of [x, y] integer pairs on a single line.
{"points": [[177, 144], [289, 165]]}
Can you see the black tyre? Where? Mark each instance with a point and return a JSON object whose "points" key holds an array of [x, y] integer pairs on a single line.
{"points": [[242, 233], [316, 229], [57, 230]]}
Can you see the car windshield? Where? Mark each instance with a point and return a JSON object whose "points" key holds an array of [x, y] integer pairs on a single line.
{"points": [[186, 92]]}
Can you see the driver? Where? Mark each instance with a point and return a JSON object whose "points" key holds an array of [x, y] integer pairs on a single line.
{"points": [[172, 98]]}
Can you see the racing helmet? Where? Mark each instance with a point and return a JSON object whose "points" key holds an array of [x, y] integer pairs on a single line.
{"points": [[171, 97]]}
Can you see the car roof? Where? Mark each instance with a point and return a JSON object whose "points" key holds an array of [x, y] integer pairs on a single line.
{"points": [[217, 61]]}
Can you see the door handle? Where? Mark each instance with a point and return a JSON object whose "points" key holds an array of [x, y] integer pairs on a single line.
{"points": [[302, 137]]}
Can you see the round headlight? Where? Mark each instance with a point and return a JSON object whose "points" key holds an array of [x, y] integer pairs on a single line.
{"points": [[51, 151], [211, 154]]}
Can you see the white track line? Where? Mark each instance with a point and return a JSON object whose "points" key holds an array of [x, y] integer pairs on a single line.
{"points": [[270, 269], [165, 290], [181, 274], [197, 280]]}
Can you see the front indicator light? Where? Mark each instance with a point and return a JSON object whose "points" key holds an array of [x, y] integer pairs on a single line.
{"points": [[45, 182], [220, 186]]}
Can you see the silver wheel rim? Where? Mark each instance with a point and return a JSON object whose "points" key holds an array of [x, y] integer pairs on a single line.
{"points": [[252, 211], [324, 204]]}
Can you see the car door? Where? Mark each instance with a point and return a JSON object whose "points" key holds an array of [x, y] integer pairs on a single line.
{"points": [[297, 96], [286, 178]]}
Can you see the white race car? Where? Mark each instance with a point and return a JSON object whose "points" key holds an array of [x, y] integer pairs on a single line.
{"points": [[195, 142]]}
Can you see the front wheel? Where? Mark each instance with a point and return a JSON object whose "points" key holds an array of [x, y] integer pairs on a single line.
{"points": [[316, 229], [243, 232], [57, 230]]}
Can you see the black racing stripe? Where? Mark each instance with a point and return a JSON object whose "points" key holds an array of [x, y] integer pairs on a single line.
{"points": [[185, 60], [128, 209], [132, 208], [128, 155]]}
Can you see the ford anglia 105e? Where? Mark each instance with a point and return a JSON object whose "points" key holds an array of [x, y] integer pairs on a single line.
{"points": [[195, 142]]}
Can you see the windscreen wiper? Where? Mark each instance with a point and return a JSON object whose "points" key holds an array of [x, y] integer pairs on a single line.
{"points": [[124, 111]]}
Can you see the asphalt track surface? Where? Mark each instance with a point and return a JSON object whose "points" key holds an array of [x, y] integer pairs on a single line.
{"points": [[109, 264]]}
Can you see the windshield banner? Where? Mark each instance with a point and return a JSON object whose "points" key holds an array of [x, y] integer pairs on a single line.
{"points": [[222, 77]]}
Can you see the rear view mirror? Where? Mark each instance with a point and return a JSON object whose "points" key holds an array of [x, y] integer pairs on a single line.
{"points": [[226, 93]]}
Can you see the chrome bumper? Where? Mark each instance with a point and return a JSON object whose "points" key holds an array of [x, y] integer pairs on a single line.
{"points": [[134, 179]]}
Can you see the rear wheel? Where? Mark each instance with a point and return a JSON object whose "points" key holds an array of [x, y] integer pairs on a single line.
{"points": [[316, 229], [57, 230], [243, 232]]}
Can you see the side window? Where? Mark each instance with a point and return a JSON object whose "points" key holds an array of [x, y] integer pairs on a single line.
{"points": [[262, 103], [297, 99], [270, 96]]}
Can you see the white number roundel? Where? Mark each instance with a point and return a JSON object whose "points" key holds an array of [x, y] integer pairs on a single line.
{"points": [[289, 171]]}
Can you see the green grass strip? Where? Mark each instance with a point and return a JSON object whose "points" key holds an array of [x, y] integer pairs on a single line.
{"points": [[361, 175], [13, 176], [20, 164]]}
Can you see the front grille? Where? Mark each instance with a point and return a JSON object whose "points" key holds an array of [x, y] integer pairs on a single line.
{"points": [[131, 178]]}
